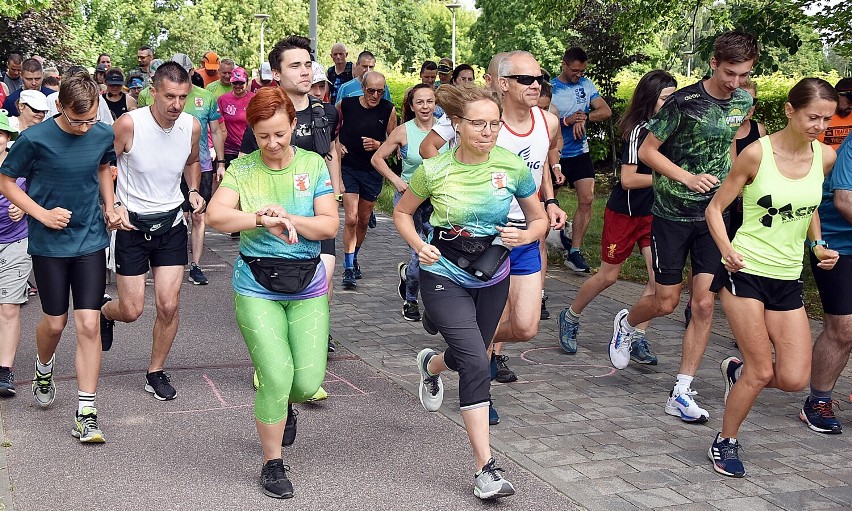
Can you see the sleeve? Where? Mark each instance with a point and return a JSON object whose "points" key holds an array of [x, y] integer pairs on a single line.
{"points": [[323, 186], [526, 183], [592, 91], [228, 180], [109, 154], [103, 111], [19, 161], [841, 175], [444, 128], [387, 95], [630, 147], [666, 121], [214, 114], [249, 143], [419, 185]]}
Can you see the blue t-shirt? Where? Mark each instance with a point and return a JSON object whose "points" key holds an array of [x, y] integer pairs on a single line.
{"points": [[352, 89], [62, 171], [836, 231], [569, 98], [294, 187]]}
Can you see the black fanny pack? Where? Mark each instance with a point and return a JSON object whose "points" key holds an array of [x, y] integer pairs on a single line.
{"points": [[154, 224], [479, 255], [285, 276]]}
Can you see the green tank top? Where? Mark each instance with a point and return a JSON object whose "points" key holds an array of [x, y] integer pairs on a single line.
{"points": [[777, 211], [411, 152]]}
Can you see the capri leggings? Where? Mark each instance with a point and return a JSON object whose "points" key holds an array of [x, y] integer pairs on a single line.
{"points": [[467, 319], [83, 277], [288, 345]]}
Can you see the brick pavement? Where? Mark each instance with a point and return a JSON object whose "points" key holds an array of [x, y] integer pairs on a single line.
{"points": [[598, 435]]}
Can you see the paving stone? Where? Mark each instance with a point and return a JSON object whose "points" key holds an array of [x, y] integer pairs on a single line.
{"points": [[657, 497], [801, 501]]}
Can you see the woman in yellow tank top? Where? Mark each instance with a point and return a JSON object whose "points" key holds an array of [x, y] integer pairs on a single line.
{"points": [[781, 181]]}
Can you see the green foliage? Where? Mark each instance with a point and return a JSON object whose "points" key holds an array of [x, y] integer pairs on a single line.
{"points": [[14, 8], [45, 31]]}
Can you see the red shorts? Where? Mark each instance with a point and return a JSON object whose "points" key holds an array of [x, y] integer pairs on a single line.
{"points": [[620, 233]]}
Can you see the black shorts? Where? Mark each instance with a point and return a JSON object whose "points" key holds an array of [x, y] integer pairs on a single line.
{"points": [[834, 285], [366, 183], [671, 242], [577, 167], [229, 158], [327, 247], [136, 252], [775, 294], [83, 277], [205, 189]]}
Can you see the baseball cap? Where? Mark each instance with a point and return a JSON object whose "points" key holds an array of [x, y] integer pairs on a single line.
{"points": [[239, 75], [211, 61], [135, 83], [265, 71], [101, 68], [6, 126], [154, 65], [35, 100], [319, 73], [114, 77], [184, 61], [844, 86]]}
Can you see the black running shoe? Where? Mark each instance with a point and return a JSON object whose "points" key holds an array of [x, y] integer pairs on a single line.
{"points": [[7, 382], [372, 222], [356, 271], [401, 269], [107, 326], [503, 373], [331, 347], [410, 310], [273, 479], [545, 314], [349, 279], [158, 384], [289, 427]]}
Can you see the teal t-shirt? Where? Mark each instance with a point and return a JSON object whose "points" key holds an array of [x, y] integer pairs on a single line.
{"points": [[202, 105], [472, 198], [62, 171], [295, 188], [411, 159]]}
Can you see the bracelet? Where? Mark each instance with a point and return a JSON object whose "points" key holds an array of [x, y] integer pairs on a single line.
{"points": [[814, 244], [258, 221], [556, 166], [193, 190], [217, 162], [548, 202], [117, 204]]}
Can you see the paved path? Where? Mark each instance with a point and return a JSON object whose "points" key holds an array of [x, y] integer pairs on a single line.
{"points": [[574, 432]]}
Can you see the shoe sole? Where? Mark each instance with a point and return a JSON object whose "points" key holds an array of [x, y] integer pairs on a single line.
{"points": [[616, 326], [502, 492], [643, 361], [674, 411], [288, 495], [197, 283], [349, 287], [718, 469], [577, 269], [93, 439], [413, 320], [151, 391], [812, 427], [723, 366], [563, 331], [7, 392], [401, 269]]}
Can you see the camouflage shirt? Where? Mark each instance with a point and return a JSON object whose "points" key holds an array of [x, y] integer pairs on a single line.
{"points": [[696, 130]]}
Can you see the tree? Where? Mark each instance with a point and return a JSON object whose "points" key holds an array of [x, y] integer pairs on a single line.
{"points": [[46, 32]]}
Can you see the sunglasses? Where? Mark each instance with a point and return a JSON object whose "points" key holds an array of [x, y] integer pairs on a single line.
{"points": [[33, 110], [845, 94], [373, 92], [444, 69], [527, 79]]}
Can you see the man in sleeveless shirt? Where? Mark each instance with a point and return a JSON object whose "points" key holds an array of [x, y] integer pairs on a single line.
{"points": [[155, 146]]}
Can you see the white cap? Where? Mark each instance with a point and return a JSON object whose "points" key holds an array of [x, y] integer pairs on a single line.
{"points": [[265, 71], [35, 99], [319, 73]]}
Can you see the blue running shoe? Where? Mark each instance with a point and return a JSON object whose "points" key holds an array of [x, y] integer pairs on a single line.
{"points": [[568, 331], [729, 368], [726, 457], [493, 417], [640, 351], [819, 416], [577, 263]]}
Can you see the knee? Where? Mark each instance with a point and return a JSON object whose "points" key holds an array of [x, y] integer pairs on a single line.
{"points": [[350, 222], [167, 309], [526, 330], [702, 309], [608, 278], [304, 389], [793, 382], [88, 328], [130, 311], [54, 325], [665, 304], [9, 312], [760, 376]]}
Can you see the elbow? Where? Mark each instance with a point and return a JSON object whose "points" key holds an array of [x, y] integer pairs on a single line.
{"points": [[213, 216]]}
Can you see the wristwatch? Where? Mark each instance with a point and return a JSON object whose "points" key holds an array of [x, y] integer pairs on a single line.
{"points": [[548, 202], [193, 190], [258, 220], [117, 204], [821, 243]]}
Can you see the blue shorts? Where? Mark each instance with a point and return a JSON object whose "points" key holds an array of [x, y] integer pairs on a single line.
{"points": [[366, 183], [525, 259]]}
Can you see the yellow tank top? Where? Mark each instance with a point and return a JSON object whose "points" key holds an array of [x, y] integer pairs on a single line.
{"points": [[777, 211]]}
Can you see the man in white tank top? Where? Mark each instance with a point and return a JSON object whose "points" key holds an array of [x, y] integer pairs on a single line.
{"points": [[155, 145]]}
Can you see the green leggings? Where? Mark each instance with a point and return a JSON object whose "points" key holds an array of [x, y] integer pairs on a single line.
{"points": [[288, 345]]}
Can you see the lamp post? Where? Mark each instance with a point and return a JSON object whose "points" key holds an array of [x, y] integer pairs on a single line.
{"points": [[262, 18], [452, 8]]}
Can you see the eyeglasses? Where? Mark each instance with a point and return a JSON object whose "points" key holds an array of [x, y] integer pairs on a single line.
{"points": [[754, 101], [845, 94], [479, 124], [373, 92], [90, 122], [527, 79]]}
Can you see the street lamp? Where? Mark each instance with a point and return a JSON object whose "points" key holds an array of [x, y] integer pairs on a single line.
{"points": [[452, 8], [262, 18]]}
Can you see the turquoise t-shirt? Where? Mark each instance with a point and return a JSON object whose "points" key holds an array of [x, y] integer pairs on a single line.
{"points": [[295, 188], [836, 230], [411, 158], [202, 105], [569, 98], [471, 198], [62, 171]]}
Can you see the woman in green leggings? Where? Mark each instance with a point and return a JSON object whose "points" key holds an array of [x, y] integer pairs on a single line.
{"points": [[280, 200]]}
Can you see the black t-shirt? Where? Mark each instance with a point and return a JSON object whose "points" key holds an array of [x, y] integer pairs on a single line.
{"points": [[636, 202], [302, 135], [117, 107], [337, 80], [361, 122]]}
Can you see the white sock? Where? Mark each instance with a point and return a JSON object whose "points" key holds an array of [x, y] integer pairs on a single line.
{"points": [[84, 399], [627, 327], [44, 368], [738, 373], [684, 382]]}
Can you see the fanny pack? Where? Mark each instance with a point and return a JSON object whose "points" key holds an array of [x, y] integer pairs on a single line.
{"points": [[466, 251], [154, 224], [285, 276]]}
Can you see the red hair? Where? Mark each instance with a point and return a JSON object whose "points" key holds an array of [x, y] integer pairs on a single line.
{"points": [[267, 102]]}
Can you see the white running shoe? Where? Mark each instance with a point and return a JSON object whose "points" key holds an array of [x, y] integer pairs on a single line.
{"points": [[683, 406], [431, 387], [619, 345]]}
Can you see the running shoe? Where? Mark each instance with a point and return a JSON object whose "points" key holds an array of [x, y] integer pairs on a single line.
{"points": [[577, 263], [159, 384], [356, 271], [819, 416], [44, 389], [431, 387], [319, 395], [619, 345], [729, 368], [685, 407], [86, 426], [489, 484], [273, 479], [410, 310], [503, 374], [640, 352], [196, 276], [290, 426], [725, 456], [32, 290], [7, 382], [493, 367], [255, 382], [545, 314], [402, 270], [687, 314], [493, 416], [564, 239], [430, 327], [331, 347], [568, 332], [107, 326], [349, 279], [372, 222]]}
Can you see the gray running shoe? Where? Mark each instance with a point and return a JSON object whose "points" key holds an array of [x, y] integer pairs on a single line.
{"points": [[44, 389], [431, 387], [489, 484], [86, 427]]}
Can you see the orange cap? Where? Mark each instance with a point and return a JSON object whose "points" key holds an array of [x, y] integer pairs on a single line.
{"points": [[211, 61]]}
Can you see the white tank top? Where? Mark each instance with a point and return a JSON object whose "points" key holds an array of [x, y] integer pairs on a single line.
{"points": [[532, 147], [149, 174]]}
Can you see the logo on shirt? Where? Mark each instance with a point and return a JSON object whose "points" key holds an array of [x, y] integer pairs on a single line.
{"points": [[735, 118], [525, 154], [302, 182], [199, 102], [785, 213], [611, 250], [690, 97], [498, 181], [303, 130], [231, 110]]}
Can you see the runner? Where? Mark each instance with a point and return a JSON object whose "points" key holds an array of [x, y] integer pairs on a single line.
{"points": [[760, 288], [627, 217]]}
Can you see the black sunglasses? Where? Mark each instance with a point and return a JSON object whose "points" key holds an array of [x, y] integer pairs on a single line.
{"points": [[527, 79], [845, 94]]}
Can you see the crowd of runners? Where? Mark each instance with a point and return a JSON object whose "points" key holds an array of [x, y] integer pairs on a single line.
{"points": [[108, 171]]}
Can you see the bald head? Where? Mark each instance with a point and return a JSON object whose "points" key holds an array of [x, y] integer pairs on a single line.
{"points": [[373, 80], [494, 71], [338, 56]]}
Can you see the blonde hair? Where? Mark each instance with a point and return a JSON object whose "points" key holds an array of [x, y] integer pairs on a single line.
{"points": [[455, 99]]}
